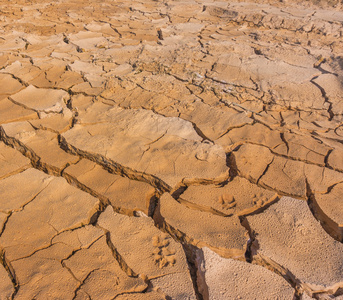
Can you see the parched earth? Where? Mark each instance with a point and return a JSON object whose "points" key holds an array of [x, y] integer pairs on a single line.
{"points": [[171, 149]]}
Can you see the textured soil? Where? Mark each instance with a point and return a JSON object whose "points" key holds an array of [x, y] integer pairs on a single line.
{"points": [[171, 149]]}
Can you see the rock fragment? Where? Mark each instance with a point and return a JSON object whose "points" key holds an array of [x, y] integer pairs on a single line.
{"points": [[99, 274], [11, 112], [224, 234], [328, 207], [48, 206], [124, 194], [41, 146], [238, 196], [42, 100], [11, 161], [150, 147], [150, 252], [220, 278], [6, 285], [288, 234]]}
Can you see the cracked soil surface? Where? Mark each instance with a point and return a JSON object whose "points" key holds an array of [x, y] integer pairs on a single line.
{"points": [[171, 149]]}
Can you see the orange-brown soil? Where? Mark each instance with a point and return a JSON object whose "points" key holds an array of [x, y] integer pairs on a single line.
{"points": [[171, 149]]}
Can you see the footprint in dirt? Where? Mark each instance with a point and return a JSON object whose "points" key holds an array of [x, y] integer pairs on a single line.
{"points": [[227, 201], [163, 255]]}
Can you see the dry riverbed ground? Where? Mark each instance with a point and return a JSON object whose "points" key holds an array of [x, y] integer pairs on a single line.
{"points": [[171, 149]]}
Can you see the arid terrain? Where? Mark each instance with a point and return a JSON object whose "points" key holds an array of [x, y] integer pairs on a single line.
{"points": [[171, 149]]}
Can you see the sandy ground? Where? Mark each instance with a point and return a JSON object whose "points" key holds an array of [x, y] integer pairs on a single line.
{"points": [[171, 149]]}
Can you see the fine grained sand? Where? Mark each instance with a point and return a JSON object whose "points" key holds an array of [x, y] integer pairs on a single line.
{"points": [[171, 149]]}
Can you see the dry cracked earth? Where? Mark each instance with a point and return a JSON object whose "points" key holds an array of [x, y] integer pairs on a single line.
{"points": [[171, 149]]}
